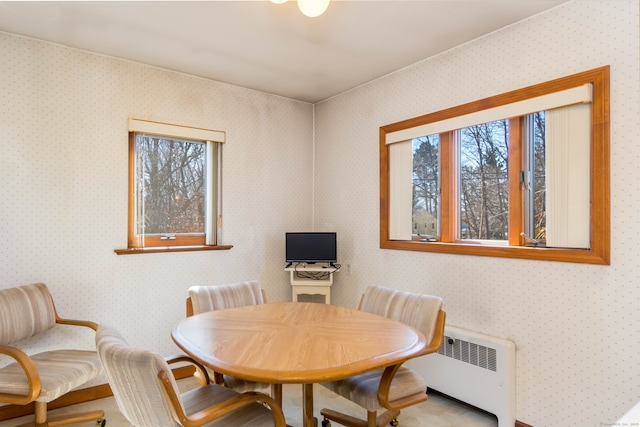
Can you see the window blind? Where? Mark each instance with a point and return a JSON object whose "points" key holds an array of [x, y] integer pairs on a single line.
{"points": [[400, 190], [183, 132], [576, 95], [568, 176], [214, 188]]}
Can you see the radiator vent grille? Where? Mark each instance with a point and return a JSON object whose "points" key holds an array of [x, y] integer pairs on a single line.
{"points": [[474, 354], [475, 368]]}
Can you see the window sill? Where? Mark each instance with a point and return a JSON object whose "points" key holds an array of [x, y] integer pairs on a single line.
{"points": [[582, 256], [164, 249]]}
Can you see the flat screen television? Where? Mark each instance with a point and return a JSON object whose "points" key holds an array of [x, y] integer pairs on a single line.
{"points": [[310, 247]]}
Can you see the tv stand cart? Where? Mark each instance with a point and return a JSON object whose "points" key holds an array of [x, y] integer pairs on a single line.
{"points": [[311, 279]]}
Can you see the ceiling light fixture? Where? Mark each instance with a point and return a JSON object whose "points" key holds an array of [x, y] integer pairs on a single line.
{"points": [[310, 8]]}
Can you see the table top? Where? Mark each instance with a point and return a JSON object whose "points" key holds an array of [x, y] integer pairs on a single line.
{"points": [[296, 342]]}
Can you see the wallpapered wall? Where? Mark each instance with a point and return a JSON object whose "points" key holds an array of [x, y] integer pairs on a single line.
{"points": [[63, 199], [575, 326], [63, 137]]}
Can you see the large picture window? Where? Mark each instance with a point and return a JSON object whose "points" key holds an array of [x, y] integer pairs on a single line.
{"points": [[523, 174]]}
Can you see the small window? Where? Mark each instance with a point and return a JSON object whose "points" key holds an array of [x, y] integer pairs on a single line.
{"points": [[174, 188], [523, 174]]}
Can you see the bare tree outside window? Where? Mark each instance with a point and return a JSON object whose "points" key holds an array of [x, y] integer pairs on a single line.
{"points": [[170, 185], [484, 181], [426, 185], [539, 177]]}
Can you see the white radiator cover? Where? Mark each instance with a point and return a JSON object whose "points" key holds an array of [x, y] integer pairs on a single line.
{"points": [[474, 368]]}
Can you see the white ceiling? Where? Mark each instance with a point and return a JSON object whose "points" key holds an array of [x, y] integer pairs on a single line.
{"points": [[269, 47]]}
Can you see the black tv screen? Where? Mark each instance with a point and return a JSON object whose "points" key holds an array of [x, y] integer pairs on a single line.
{"points": [[310, 247]]}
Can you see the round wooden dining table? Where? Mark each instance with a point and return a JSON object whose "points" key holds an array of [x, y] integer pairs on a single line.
{"points": [[296, 343]]}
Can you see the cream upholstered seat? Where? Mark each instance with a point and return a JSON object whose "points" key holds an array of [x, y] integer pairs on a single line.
{"points": [[147, 394], [394, 387], [25, 312], [208, 298]]}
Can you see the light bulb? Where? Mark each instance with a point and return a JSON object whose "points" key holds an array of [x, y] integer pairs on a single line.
{"points": [[313, 8], [278, 1]]}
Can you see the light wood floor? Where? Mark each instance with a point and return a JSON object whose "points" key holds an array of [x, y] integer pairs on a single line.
{"points": [[438, 411]]}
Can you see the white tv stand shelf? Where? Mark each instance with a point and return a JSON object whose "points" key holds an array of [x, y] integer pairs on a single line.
{"points": [[311, 279]]}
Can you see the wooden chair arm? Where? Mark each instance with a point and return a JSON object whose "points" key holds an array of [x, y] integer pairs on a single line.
{"points": [[209, 414], [438, 335], [201, 373], [189, 306], [385, 385], [30, 371], [390, 371], [74, 322]]}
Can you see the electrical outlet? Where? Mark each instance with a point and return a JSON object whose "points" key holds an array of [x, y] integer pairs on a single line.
{"points": [[347, 268]]}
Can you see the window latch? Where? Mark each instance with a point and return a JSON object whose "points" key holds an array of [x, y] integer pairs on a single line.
{"points": [[168, 237], [530, 241], [525, 184]]}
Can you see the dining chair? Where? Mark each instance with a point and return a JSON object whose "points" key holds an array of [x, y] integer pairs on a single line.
{"points": [[218, 297], [394, 387], [29, 312], [147, 394]]}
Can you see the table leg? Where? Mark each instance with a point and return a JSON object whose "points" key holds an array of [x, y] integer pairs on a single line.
{"points": [[308, 419]]}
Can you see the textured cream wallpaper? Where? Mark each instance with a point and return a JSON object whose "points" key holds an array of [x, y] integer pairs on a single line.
{"points": [[63, 193], [63, 198], [575, 326]]}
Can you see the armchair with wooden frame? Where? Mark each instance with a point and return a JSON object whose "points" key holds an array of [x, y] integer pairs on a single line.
{"points": [[25, 312], [395, 387], [147, 394], [219, 297]]}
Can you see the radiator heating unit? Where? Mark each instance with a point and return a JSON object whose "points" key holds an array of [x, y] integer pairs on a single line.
{"points": [[476, 369]]}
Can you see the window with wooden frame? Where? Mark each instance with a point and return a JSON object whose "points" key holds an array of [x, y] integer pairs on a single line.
{"points": [[174, 188], [524, 174]]}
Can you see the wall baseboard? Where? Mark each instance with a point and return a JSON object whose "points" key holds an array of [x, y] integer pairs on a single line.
{"points": [[8, 412]]}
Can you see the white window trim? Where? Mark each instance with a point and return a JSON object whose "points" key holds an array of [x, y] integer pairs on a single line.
{"points": [[165, 129], [563, 98]]}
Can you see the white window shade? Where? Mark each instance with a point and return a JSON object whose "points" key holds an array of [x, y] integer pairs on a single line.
{"points": [[576, 95], [156, 128], [214, 188], [400, 190], [568, 177]]}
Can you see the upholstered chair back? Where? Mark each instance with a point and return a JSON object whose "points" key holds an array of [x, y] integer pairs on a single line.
{"points": [[416, 310], [26, 311], [209, 298], [133, 376]]}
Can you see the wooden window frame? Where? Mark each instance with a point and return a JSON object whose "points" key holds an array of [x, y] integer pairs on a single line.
{"points": [[154, 243], [598, 253]]}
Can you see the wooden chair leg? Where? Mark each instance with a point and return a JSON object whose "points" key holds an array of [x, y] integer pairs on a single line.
{"points": [[373, 419], [344, 419], [40, 412], [75, 419], [385, 418], [41, 419]]}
